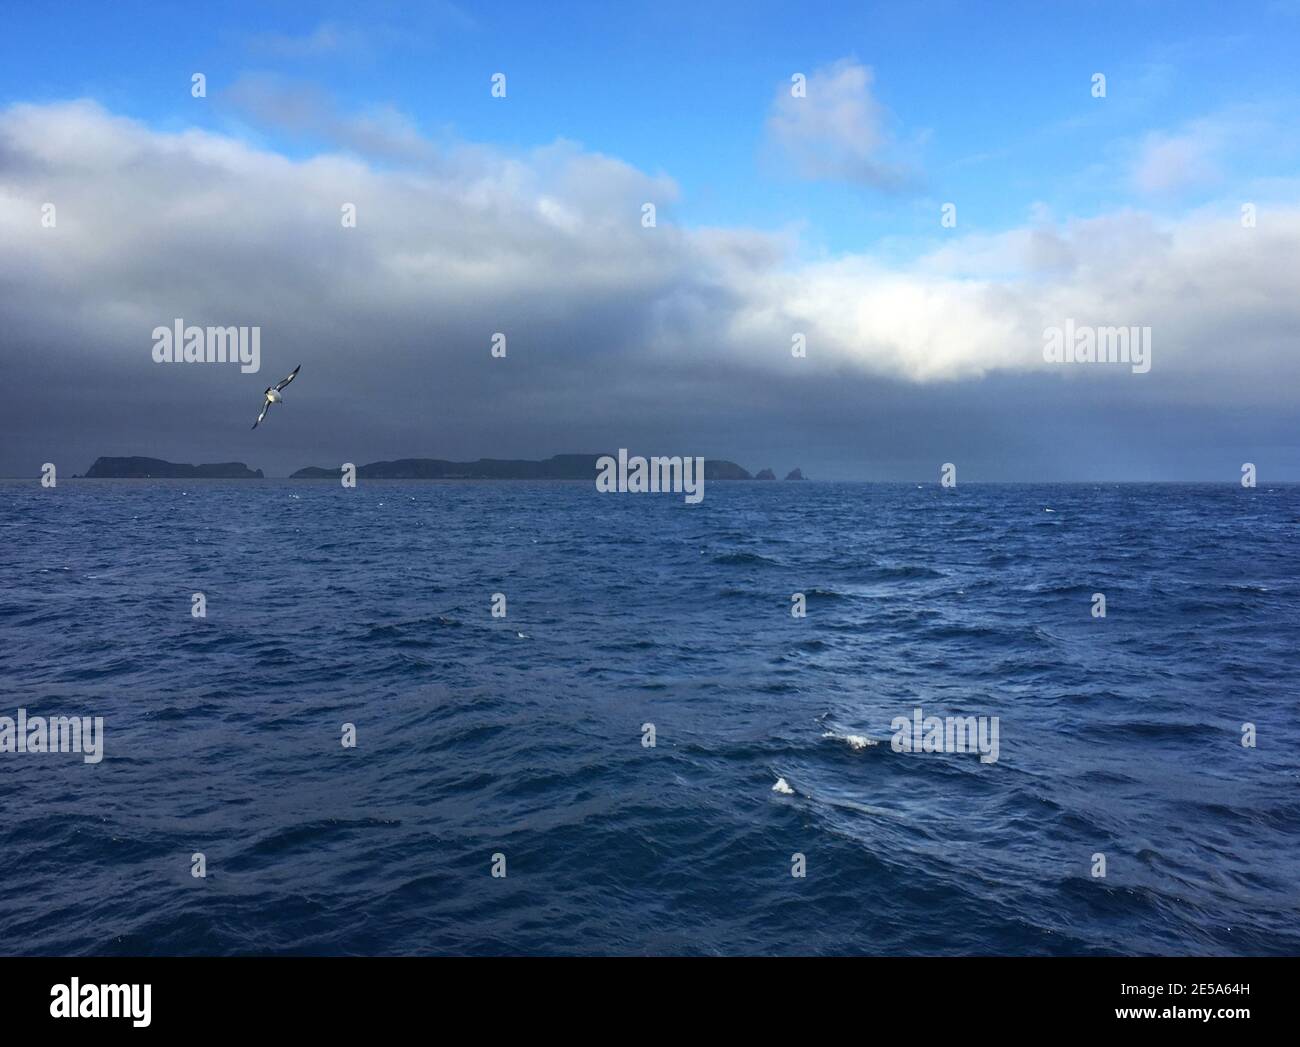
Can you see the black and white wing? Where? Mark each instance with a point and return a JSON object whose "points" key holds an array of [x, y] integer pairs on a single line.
{"points": [[265, 407], [292, 375]]}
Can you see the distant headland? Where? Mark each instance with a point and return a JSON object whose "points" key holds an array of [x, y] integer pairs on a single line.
{"points": [[157, 469]]}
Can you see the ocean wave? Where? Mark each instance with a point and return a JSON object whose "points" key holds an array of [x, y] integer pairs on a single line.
{"points": [[631, 750], [745, 560]]}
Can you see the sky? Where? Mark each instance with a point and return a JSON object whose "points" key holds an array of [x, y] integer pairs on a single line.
{"points": [[916, 194]]}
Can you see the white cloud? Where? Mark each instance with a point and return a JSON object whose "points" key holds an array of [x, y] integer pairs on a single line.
{"points": [[837, 131], [549, 244], [1167, 163], [301, 110], [328, 38], [1218, 148]]}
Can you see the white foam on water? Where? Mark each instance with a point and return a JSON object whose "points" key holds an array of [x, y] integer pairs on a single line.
{"points": [[856, 741], [782, 787]]}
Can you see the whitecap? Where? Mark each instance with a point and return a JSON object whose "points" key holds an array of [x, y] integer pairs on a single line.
{"points": [[782, 787], [856, 741]]}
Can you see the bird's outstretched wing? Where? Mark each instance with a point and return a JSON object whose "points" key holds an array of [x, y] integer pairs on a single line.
{"points": [[292, 375], [265, 407]]}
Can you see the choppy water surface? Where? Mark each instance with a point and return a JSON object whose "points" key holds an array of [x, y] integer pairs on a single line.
{"points": [[522, 735]]}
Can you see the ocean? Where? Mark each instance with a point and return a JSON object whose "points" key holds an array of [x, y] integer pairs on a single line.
{"points": [[520, 744]]}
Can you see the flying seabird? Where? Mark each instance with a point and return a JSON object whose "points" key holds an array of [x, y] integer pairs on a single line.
{"points": [[273, 396]]}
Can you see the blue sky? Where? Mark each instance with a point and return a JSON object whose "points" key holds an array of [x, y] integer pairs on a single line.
{"points": [[990, 103], [817, 217]]}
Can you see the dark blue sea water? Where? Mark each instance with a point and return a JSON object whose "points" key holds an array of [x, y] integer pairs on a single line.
{"points": [[522, 736]]}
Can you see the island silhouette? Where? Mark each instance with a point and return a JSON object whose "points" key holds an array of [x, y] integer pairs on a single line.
{"points": [[557, 467]]}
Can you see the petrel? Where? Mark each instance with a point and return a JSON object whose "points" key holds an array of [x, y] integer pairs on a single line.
{"points": [[273, 396]]}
